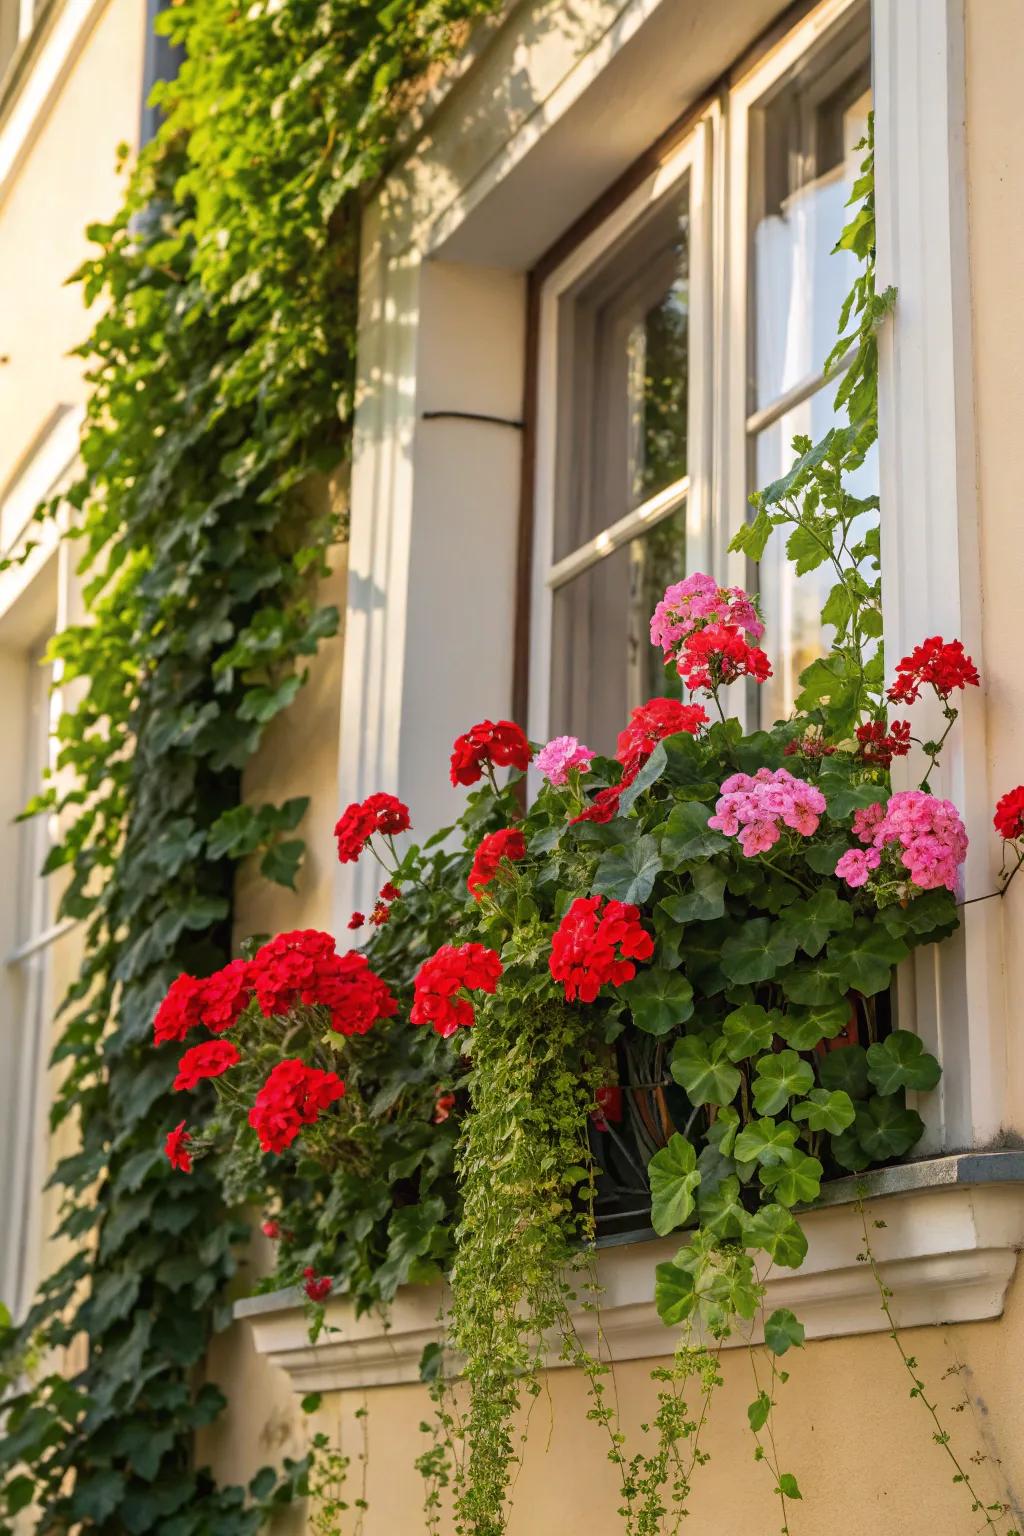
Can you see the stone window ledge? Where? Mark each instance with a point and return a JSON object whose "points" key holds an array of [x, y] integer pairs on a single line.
{"points": [[953, 1229]]}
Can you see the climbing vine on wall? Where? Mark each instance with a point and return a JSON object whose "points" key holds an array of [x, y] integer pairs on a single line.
{"points": [[221, 371]]}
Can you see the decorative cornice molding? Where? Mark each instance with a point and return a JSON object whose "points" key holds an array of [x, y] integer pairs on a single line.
{"points": [[952, 1230]]}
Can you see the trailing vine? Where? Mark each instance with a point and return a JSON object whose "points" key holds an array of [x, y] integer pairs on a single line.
{"points": [[221, 373]]}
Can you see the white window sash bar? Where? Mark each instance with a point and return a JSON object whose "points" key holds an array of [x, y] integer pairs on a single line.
{"points": [[651, 512], [768, 415], [39, 942]]}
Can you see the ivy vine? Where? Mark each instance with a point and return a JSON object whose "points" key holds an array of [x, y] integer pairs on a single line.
{"points": [[221, 373]]}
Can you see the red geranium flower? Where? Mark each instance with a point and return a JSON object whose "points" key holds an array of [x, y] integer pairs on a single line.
{"points": [[509, 843], [176, 1148], [389, 892], [1009, 817], [443, 1108], [382, 813], [650, 723], [604, 806], [941, 663], [592, 946], [207, 1060], [453, 969], [380, 914], [303, 967], [356, 920], [503, 745], [225, 995], [179, 1011], [719, 654], [317, 1287], [609, 1107], [879, 746], [292, 1096], [270, 1229]]}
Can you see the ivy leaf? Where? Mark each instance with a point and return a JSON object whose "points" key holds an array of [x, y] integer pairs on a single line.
{"points": [[96, 1495], [823, 1111], [764, 1142], [780, 1078], [749, 1030], [797, 1181], [706, 899], [686, 835], [674, 1294], [696, 1064], [778, 1232], [658, 1000], [901, 1061], [782, 1331], [847, 1069], [649, 774], [673, 1178], [814, 920], [628, 873], [280, 864], [758, 951], [804, 1028], [885, 1128]]}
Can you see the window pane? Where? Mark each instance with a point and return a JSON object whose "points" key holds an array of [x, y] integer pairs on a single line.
{"points": [[792, 604], [623, 349], [603, 661], [804, 164]]}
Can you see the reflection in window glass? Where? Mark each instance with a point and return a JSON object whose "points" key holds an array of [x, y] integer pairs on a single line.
{"points": [[605, 663], [623, 378]]}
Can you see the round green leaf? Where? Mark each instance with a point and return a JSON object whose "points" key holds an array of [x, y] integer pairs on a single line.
{"points": [[901, 1061], [886, 1128], [824, 1111], [780, 1078], [864, 957], [674, 1294], [782, 1331], [758, 951], [803, 1028], [658, 1000], [796, 1181], [697, 1065], [628, 873], [686, 834], [765, 1142], [845, 1068], [720, 1210], [673, 1178], [705, 899], [748, 1030], [848, 1152], [814, 920], [778, 1232]]}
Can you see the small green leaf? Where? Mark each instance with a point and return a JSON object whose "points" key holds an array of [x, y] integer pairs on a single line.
{"points": [[780, 1078], [704, 901], [649, 774], [782, 1331], [673, 1178], [758, 1411], [803, 1028], [748, 1030], [885, 1128], [764, 1142], [778, 1232], [901, 1061], [814, 920], [796, 1181], [697, 1065], [674, 1295], [789, 1487], [720, 1210]]}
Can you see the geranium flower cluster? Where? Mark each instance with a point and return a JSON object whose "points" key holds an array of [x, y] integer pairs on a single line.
{"points": [[217, 1002], [937, 663], [757, 806], [304, 967], [708, 631], [293, 1096], [454, 969], [509, 843], [560, 756], [879, 744], [648, 724], [924, 833], [596, 944], [1009, 817], [209, 1059], [381, 813], [499, 745]]}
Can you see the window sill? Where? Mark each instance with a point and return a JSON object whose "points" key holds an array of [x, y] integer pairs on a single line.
{"points": [[953, 1228]]}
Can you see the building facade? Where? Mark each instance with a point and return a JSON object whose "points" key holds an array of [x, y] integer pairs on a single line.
{"points": [[596, 293]]}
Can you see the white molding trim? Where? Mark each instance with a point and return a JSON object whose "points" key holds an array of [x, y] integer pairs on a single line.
{"points": [[33, 96], [930, 541], [949, 1252]]}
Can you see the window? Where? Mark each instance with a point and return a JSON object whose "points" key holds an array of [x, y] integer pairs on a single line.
{"points": [[680, 351]]}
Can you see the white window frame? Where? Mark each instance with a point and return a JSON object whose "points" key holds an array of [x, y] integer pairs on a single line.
{"points": [[693, 158]]}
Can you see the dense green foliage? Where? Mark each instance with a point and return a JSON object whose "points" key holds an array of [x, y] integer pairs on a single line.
{"points": [[223, 351]]}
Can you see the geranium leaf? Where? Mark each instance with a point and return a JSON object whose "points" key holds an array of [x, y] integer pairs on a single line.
{"points": [[748, 1030], [758, 1411], [686, 835], [704, 901], [823, 1111], [764, 1142], [628, 873], [782, 1331], [804, 1028], [795, 1181], [778, 1232], [780, 1078], [658, 1000], [845, 1068], [886, 1128], [697, 1065], [649, 774], [673, 1178], [758, 951], [865, 957], [674, 1295], [901, 1061], [814, 920]]}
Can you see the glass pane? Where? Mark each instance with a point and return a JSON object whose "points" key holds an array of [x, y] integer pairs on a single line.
{"points": [[804, 163], [623, 349], [792, 604], [603, 661]]}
